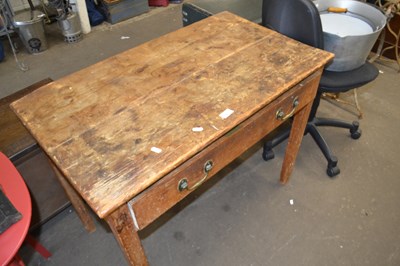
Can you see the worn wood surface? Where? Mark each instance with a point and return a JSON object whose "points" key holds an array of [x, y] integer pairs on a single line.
{"points": [[99, 124], [164, 194]]}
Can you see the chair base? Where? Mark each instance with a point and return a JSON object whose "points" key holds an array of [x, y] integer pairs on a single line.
{"points": [[332, 168]]}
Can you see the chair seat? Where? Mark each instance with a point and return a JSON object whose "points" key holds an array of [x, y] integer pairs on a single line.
{"points": [[343, 81]]}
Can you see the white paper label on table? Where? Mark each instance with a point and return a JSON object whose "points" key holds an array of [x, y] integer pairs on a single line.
{"points": [[225, 114]]}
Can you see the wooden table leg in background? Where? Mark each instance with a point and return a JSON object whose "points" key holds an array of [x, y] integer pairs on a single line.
{"points": [[121, 224], [76, 201], [296, 135]]}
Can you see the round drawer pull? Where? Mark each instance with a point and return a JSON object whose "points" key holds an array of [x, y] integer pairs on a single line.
{"points": [[280, 114], [184, 184]]}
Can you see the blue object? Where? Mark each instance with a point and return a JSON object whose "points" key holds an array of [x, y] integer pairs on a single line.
{"points": [[1, 51], [95, 16]]}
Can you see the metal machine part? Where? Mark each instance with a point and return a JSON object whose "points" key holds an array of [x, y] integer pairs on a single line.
{"points": [[68, 21], [6, 27], [71, 28], [30, 27]]}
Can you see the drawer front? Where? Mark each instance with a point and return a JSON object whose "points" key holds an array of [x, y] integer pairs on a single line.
{"points": [[157, 199]]}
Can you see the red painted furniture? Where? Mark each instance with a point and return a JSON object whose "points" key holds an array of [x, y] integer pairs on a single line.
{"points": [[16, 191], [158, 2]]}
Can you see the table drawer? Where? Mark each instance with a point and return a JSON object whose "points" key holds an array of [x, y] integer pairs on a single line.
{"points": [[157, 199]]}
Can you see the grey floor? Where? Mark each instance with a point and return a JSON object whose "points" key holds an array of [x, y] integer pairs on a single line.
{"points": [[244, 216]]}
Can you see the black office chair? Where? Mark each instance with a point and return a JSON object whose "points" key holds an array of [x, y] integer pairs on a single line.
{"points": [[300, 20]]}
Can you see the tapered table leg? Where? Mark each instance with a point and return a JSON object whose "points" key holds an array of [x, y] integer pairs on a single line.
{"points": [[121, 224], [296, 135]]}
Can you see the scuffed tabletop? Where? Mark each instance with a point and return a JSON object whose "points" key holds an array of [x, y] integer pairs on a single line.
{"points": [[118, 126]]}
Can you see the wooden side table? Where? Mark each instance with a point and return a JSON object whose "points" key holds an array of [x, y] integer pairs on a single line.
{"points": [[15, 140]]}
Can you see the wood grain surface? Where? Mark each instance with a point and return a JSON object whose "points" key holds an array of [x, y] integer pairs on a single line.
{"points": [[164, 194], [99, 124]]}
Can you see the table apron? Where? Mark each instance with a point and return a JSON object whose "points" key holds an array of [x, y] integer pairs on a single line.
{"points": [[162, 195]]}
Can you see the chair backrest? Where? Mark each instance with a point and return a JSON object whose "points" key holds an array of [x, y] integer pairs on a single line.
{"points": [[297, 19]]}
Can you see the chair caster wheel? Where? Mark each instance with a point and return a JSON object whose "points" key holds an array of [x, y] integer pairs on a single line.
{"points": [[333, 171], [355, 134], [268, 155]]}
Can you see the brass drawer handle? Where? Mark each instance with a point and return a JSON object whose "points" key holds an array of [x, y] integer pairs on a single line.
{"points": [[184, 184], [280, 114]]}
